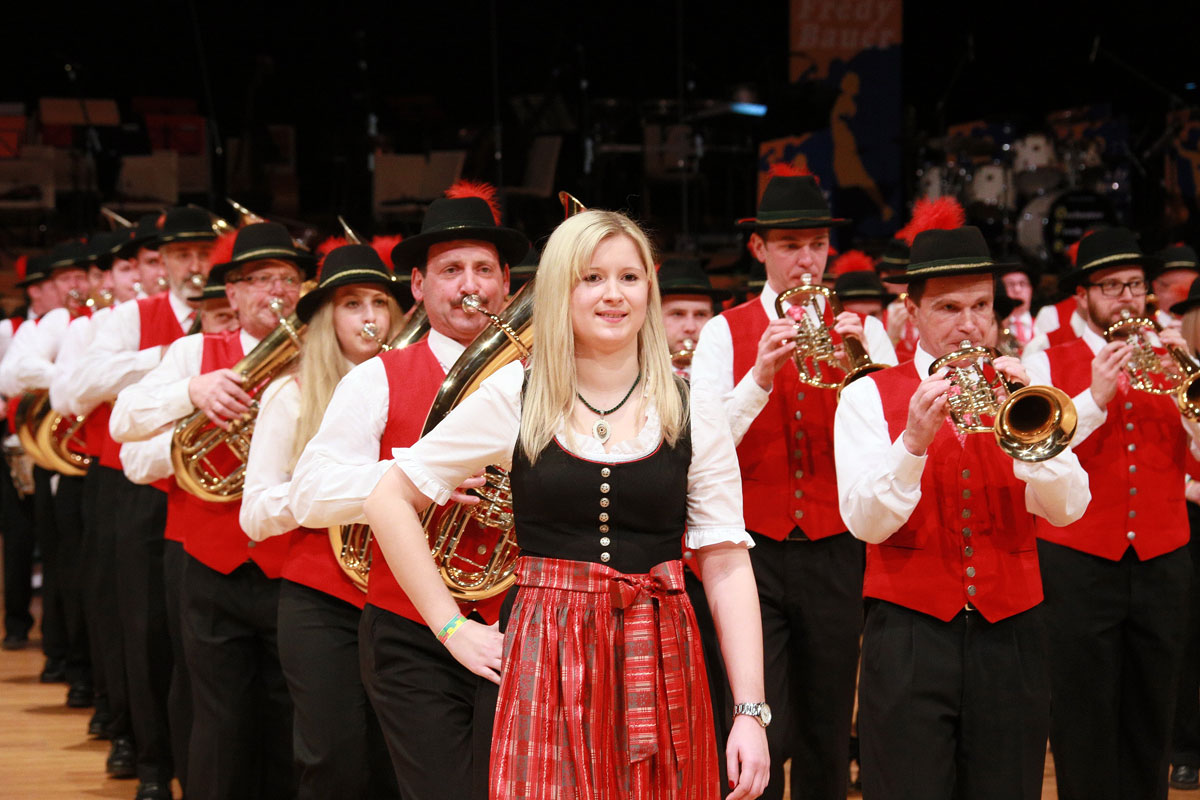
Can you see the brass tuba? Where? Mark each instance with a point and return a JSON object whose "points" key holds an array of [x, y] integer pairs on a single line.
{"points": [[814, 348], [352, 543], [1146, 369], [51, 440], [1031, 423], [211, 462]]}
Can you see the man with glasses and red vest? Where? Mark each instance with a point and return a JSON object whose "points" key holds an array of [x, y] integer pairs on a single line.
{"points": [[1117, 580], [16, 503], [436, 715], [954, 699], [29, 366], [129, 587], [808, 569], [241, 730]]}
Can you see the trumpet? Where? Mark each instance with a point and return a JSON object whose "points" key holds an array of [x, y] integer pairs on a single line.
{"points": [[1031, 423], [371, 331], [814, 348], [682, 358], [1147, 371]]}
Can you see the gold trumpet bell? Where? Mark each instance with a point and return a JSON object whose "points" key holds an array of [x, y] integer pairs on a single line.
{"points": [[1030, 423]]}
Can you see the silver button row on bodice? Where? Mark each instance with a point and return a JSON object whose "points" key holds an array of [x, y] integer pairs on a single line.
{"points": [[605, 488]]}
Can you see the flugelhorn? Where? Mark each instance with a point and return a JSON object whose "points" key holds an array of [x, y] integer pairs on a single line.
{"points": [[813, 348], [1031, 423], [210, 462], [682, 358], [1147, 370]]}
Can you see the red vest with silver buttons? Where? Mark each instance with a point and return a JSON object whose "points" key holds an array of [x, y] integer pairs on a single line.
{"points": [[212, 533], [158, 327], [970, 539], [786, 456], [414, 376], [1135, 464]]}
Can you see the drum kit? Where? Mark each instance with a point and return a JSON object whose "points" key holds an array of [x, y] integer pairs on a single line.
{"points": [[1035, 194]]}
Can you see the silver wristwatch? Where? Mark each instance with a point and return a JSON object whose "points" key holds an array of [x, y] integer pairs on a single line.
{"points": [[760, 711]]}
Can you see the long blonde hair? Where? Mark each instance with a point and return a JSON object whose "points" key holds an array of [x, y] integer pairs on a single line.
{"points": [[322, 366], [550, 393], [1190, 329]]}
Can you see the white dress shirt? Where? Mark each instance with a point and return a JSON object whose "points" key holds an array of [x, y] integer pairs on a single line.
{"points": [[1091, 416], [29, 362], [340, 465], [265, 511], [6, 332], [712, 366], [879, 481], [149, 460], [460, 446], [64, 388], [113, 360], [161, 397]]}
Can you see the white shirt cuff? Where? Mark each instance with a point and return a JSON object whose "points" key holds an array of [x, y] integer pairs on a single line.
{"points": [[703, 537]]}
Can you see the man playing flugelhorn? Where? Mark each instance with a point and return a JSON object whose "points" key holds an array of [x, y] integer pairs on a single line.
{"points": [[954, 700], [1116, 580]]}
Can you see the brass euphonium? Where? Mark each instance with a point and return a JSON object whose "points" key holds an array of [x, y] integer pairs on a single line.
{"points": [[813, 343], [210, 462], [352, 543], [1031, 423], [32, 409], [1147, 371], [50, 439]]}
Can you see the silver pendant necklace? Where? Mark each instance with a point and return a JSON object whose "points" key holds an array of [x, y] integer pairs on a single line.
{"points": [[600, 428]]}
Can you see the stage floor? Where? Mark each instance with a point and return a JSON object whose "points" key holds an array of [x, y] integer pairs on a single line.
{"points": [[45, 751]]}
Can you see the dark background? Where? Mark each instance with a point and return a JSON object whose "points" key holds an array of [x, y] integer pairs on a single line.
{"points": [[425, 70]]}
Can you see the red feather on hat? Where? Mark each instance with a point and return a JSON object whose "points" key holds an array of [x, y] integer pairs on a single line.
{"points": [[944, 213], [484, 191], [785, 169], [1073, 251], [331, 243], [853, 261], [383, 245], [222, 250], [21, 266]]}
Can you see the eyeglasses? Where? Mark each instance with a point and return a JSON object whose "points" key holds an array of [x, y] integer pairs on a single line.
{"points": [[1137, 287], [259, 280]]}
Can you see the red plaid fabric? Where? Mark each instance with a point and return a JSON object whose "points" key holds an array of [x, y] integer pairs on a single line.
{"points": [[604, 693]]}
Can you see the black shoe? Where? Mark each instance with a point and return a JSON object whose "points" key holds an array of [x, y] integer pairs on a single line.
{"points": [[80, 695], [122, 761], [15, 641], [152, 790], [98, 725], [1185, 777], [55, 671]]}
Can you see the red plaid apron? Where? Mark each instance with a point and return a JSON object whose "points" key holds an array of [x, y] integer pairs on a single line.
{"points": [[604, 693]]}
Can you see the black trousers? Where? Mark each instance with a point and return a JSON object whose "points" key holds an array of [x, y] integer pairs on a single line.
{"points": [[241, 743], [714, 665], [142, 604], [957, 710], [338, 746], [179, 698], [1185, 740], [436, 716], [1117, 633], [103, 521], [810, 593], [16, 517], [55, 641], [69, 523]]}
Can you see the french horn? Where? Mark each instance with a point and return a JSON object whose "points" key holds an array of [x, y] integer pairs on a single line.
{"points": [[813, 347], [1030, 423], [1148, 372]]}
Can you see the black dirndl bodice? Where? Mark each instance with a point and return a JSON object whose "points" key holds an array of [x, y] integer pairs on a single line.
{"points": [[628, 516]]}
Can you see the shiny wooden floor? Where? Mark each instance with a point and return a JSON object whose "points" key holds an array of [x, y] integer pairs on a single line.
{"points": [[45, 751]]}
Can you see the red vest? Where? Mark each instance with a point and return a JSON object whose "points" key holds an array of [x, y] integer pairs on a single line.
{"points": [[158, 328], [1061, 335], [970, 539], [1135, 464], [211, 531], [786, 456], [13, 402], [414, 376], [1065, 308]]}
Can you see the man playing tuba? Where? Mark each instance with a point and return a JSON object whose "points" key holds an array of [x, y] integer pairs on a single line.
{"points": [[229, 594], [436, 716]]}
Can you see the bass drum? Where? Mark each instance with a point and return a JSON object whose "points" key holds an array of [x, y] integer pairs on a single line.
{"points": [[991, 185], [1049, 224]]}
